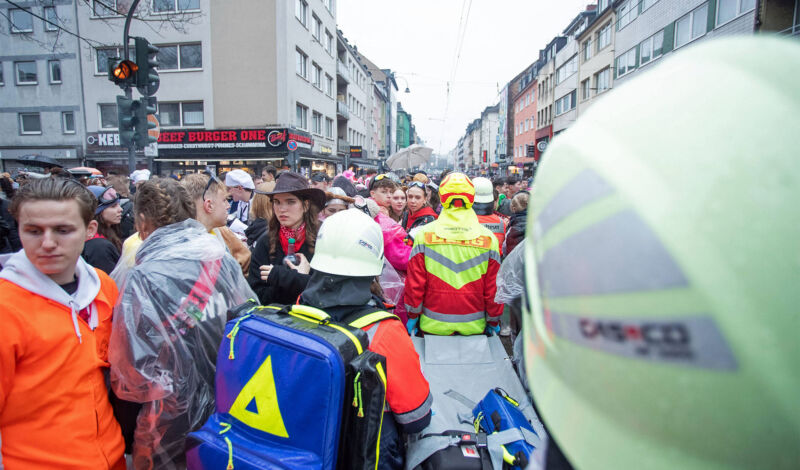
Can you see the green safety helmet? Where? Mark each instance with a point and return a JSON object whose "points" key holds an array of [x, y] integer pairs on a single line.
{"points": [[662, 314]]}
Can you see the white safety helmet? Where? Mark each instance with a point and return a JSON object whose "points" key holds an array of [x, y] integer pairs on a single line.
{"points": [[484, 190], [349, 243]]}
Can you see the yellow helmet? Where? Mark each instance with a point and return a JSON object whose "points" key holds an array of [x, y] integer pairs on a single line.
{"points": [[457, 186]]}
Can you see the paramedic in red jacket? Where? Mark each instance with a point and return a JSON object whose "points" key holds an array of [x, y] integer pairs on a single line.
{"points": [[348, 256]]}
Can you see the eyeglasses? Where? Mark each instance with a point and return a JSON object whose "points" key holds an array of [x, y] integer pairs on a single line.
{"points": [[212, 178], [109, 197]]}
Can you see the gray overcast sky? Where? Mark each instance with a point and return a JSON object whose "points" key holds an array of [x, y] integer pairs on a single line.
{"points": [[417, 39]]}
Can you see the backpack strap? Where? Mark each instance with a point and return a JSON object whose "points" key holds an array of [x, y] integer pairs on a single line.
{"points": [[367, 317]]}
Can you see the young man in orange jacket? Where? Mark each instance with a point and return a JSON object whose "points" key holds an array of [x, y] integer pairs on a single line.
{"points": [[55, 312]]}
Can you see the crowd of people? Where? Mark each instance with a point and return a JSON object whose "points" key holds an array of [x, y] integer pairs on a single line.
{"points": [[141, 272]]}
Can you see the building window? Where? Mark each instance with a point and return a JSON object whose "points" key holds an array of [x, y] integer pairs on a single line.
{"points": [[30, 124], [68, 122], [587, 50], [626, 63], [167, 6], [2, 80], [604, 37], [317, 77], [567, 70], [301, 11], [302, 64], [169, 114], [602, 5], [602, 80], [730, 9], [627, 13], [26, 73], [316, 123], [21, 20], [54, 66], [108, 116], [329, 128], [329, 5], [192, 114], [651, 48], [328, 42], [586, 89], [50, 19], [328, 85], [301, 116], [180, 56], [104, 8], [691, 26], [317, 31], [648, 3], [566, 103], [103, 54]]}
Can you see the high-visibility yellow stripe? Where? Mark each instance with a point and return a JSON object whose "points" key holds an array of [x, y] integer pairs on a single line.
{"points": [[371, 318], [351, 336], [380, 426]]}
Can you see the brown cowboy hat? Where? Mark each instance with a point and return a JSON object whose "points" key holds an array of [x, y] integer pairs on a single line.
{"points": [[297, 184]]}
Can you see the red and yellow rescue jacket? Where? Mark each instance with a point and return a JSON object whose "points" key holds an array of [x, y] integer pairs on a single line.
{"points": [[497, 225], [451, 284]]}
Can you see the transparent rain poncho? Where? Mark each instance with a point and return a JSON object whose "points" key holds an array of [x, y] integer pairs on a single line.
{"points": [[168, 325], [511, 277]]}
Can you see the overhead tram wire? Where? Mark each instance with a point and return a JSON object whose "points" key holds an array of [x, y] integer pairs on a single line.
{"points": [[463, 23], [87, 40]]}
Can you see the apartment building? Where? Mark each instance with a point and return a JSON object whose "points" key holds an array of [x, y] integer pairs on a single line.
{"points": [[647, 30], [504, 129], [566, 76], [525, 109], [489, 137], [41, 110], [596, 56], [545, 92]]}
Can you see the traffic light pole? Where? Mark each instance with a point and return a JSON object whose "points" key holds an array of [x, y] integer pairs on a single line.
{"points": [[128, 91]]}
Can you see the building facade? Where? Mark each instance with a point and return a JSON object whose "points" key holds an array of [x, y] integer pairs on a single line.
{"points": [[41, 110], [545, 92], [566, 76], [524, 108], [489, 138], [596, 56]]}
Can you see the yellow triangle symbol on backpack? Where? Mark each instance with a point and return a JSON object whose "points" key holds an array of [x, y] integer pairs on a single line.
{"points": [[266, 414]]}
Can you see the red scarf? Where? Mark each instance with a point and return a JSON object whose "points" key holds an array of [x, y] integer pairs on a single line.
{"points": [[298, 234]]}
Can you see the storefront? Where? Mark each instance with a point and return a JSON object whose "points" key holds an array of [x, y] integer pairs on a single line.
{"points": [[67, 156], [182, 151]]}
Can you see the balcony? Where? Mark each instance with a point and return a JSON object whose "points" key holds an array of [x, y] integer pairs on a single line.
{"points": [[341, 110], [343, 147], [342, 72]]}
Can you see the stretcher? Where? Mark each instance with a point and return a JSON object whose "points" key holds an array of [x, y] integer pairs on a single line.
{"points": [[461, 370]]}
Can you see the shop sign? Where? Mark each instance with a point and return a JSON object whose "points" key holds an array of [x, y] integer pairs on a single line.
{"points": [[381, 153], [186, 141], [105, 143], [325, 150], [355, 151]]}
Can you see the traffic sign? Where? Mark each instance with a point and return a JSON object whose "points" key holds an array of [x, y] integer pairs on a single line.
{"points": [[155, 131], [291, 145]]}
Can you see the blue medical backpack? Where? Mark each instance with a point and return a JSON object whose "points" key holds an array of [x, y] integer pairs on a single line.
{"points": [[288, 381]]}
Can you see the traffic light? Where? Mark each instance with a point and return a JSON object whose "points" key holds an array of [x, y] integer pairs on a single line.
{"points": [[147, 79], [127, 110], [146, 107], [122, 72]]}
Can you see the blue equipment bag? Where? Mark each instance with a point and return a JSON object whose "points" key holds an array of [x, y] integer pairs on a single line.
{"points": [[281, 391], [498, 413]]}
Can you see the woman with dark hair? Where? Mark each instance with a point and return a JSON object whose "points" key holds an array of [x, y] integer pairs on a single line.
{"points": [[102, 250], [419, 211], [274, 277], [168, 325], [9, 234]]}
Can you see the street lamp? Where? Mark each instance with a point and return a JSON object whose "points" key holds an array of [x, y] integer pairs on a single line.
{"points": [[394, 75]]}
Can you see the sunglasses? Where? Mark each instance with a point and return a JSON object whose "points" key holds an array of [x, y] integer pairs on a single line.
{"points": [[377, 178], [212, 178], [109, 197]]}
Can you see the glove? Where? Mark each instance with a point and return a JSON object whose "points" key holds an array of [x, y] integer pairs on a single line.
{"points": [[411, 326], [493, 329]]}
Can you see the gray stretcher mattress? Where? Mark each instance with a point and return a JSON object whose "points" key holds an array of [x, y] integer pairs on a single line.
{"points": [[461, 370]]}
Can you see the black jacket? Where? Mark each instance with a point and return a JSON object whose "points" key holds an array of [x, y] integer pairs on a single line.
{"points": [[100, 253], [284, 284], [257, 228], [9, 235], [516, 230]]}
